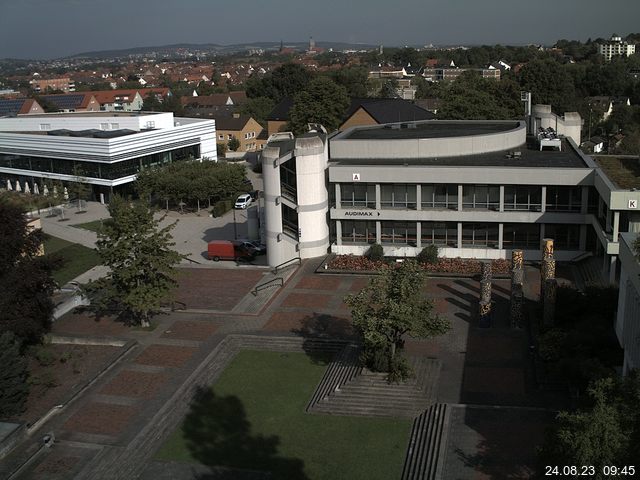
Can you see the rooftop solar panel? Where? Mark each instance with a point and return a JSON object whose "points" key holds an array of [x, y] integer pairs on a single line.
{"points": [[11, 107]]}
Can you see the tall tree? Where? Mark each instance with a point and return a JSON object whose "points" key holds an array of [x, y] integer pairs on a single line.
{"points": [[354, 79], [392, 306], [321, 102], [285, 81], [13, 376], [258, 108], [550, 84], [141, 261], [26, 280]]}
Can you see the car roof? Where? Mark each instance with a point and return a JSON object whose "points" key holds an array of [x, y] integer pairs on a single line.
{"points": [[244, 195]]}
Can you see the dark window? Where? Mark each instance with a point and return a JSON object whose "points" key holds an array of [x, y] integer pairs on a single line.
{"points": [[564, 199], [480, 235], [354, 231], [521, 235], [357, 195], [482, 197], [523, 197], [289, 221], [439, 196], [398, 195], [399, 233], [444, 233], [565, 237]]}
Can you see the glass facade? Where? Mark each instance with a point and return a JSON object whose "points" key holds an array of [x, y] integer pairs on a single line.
{"points": [[443, 233], [289, 221], [480, 235], [358, 232], [288, 180], [564, 199], [523, 197], [521, 235], [439, 196], [566, 237], [399, 233], [398, 195], [107, 171], [358, 195], [482, 197]]}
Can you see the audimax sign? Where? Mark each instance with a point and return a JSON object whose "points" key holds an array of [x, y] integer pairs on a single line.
{"points": [[361, 213]]}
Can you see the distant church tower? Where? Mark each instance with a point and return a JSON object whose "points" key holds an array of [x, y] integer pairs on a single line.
{"points": [[281, 46], [312, 44]]}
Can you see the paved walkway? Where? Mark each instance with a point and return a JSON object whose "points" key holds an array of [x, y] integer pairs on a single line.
{"points": [[115, 428]]}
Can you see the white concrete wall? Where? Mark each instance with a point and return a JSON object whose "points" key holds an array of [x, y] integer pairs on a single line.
{"points": [[85, 121]]}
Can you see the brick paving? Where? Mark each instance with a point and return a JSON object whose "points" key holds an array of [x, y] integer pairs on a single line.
{"points": [[132, 383], [165, 355], [101, 419], [487, 365]]}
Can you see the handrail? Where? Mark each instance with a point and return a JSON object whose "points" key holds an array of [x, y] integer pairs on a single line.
{"points": [[268, 284], [286, 264]]}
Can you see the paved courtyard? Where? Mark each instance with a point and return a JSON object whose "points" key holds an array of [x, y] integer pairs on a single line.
{"points": [[480, 366]]}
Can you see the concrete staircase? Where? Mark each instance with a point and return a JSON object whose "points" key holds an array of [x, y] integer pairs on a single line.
{"points": [[589, 272], [349, 391], [427, 444]]}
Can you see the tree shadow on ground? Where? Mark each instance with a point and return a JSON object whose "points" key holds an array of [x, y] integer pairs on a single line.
{"points": [[218, 434], [316, 328]]}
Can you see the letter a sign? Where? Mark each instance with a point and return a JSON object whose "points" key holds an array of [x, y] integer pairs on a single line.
{"points": [[356, 177]]}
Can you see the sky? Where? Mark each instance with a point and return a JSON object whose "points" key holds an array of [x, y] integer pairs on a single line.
{"points": [[43, 29]]}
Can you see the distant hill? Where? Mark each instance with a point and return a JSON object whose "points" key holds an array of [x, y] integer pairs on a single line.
{"points": [[170, 50]]}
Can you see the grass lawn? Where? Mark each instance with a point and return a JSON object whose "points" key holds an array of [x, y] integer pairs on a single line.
{"points": [[254, 418], [92, 226], [78, 258]]}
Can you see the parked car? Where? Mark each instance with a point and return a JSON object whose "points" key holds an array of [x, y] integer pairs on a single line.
{"points": [[229, 250], [243, 201], [255, 246]]}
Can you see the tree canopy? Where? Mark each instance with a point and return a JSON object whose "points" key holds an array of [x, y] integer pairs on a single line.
{"points": [[13, 376], [141, 260], [285, 81], [392, 306], [323, 101], [26, 280]]}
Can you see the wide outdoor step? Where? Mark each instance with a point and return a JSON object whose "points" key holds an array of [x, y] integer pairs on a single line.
{"points": [[369, 411], [426, 444]]}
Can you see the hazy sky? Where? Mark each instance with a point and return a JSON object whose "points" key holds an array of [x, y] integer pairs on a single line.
{"points": [[55, 28]]}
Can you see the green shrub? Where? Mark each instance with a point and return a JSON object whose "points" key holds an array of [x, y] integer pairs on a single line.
{"points": [[43, 355], [13, 386], [375, 252], [221, 207], [429, 254]]}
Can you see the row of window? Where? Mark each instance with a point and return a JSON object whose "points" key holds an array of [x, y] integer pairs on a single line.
{"points": [[514, 235], [445, 196], [108, 171]]}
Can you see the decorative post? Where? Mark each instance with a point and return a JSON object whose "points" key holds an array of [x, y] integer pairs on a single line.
{"points": [[548, 283], [516, 304], [484, 307]]}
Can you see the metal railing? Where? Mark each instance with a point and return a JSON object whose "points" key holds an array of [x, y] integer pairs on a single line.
{"points": [[274, 282], [286, 264]]}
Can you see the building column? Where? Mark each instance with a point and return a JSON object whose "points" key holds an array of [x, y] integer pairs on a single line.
{"points": [[612, 269], [500, 235], [460, 193], [542, 234], [378, 200], [583, 238], [584, 205], [616, 225], [608, 220], [419, 233], [543, 200], [418, 197], [338, 232], [338, 196], [378, 232], [459, 234], [501, 200]]}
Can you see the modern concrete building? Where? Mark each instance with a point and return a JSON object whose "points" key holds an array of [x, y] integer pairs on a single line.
{"points": [[109, 148], [628, 315], [616, 47], [476, 189]]}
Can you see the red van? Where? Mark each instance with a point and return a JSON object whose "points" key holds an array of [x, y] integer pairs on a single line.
{"points": [[228, 250]]}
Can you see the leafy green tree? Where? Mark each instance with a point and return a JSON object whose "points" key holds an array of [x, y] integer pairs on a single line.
{"points": [[26, 280], [258, 108], [321, 102], [79, 187], [233, 144], [392, 306], [141, 260], [602, 433], [389, 89], [549, 84], [406, 56], [13, 376], [354, 79], [285, 81]]}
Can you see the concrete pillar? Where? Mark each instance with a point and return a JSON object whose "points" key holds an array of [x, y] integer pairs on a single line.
{"points": [[460, 194], [582, 241], [338, 196], [543, 199], [378, 197], [459, 235], [501, 199], [378, 231], [418, 235], [338, 232], [612, 269], [584, 204], [418, 197], [616, 225], [608, 221], [500, 236]]}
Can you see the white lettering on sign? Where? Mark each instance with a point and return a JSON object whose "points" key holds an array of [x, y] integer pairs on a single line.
{"points": [[356, 177], [633, 203]]}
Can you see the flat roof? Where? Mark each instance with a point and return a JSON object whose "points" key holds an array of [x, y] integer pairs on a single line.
{"points": [[530, 157], [430, 129], [624, 172], [89, 114]]}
